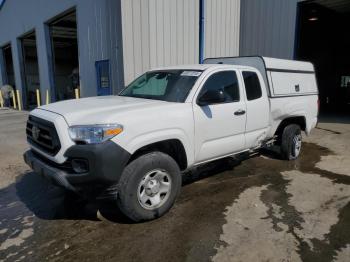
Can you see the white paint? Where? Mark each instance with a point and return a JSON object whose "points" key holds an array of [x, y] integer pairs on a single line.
{"points": [[218, 131], [206, 133], [256, 127], [62, 131], [286, 64], [286, 83]]}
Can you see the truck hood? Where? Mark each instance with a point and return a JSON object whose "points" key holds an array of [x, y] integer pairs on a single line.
{"points": [[101, 110]]}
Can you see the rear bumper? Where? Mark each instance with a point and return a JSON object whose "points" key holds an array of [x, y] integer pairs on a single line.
{"points": [[106, 162]]}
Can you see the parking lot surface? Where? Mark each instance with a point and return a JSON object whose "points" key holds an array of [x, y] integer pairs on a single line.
{"points": [[260, 209]]}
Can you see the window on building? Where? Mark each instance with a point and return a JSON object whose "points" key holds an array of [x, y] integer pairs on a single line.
{"points": [[227, 82], [252, 85]]}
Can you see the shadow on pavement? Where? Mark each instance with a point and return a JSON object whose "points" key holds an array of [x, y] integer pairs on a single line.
{"points": [[50, 202]]}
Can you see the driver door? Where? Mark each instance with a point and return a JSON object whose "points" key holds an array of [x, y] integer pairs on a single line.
{"points": [[220, 127]]}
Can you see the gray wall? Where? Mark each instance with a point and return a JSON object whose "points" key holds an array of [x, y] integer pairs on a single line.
{"points": [[222, 25], [99, 37], [159, 33], [268, 28]]}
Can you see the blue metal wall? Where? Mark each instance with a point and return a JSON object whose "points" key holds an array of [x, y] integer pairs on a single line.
{"points": [[99, 37]]}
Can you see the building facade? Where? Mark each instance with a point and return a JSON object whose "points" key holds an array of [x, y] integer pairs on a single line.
{"points": [[100, 46], [43, 37]]}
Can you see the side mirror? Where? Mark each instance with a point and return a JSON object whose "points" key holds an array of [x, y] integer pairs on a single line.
{"points": [[211, 97]]}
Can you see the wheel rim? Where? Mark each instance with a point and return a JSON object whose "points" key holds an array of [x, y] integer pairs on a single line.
{"points": [[297, 144], [154, 189]]}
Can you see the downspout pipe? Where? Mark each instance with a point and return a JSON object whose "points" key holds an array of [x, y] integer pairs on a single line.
{"points": [[201, 30]]}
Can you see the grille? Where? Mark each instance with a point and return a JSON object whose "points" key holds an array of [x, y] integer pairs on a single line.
{"points": [[42, 134]]}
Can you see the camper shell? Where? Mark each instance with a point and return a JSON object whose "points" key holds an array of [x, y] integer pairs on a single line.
{"points": [[282, 77]]}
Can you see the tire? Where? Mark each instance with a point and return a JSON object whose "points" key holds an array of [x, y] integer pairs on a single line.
{"points": [[143, 180], [291, 142]]}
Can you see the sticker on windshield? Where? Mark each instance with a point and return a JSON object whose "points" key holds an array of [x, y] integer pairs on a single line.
{"points": [[191, 73]]}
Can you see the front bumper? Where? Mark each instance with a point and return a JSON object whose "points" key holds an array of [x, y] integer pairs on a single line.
{"points": [[106, 162], [55, 175]]}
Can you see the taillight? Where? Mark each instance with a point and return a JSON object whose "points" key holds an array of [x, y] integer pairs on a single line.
{"points": [[318, 106]]}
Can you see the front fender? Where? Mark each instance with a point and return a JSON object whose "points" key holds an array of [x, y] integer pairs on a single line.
{"points": [[144, 139]]}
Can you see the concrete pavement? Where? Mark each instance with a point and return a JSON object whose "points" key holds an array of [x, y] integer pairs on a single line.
{"points": [[262, 209]]}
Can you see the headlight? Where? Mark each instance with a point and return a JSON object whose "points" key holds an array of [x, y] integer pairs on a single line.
{"points": [[94, 134]]}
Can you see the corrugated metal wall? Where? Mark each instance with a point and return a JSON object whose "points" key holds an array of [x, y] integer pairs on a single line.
{"points": [[268, 28], [222, 26], [99, 38], [159, 33]]}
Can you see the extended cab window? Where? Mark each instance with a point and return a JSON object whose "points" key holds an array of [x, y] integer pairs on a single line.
{"points": [[170, 86], [252, 85], [225, 81]]}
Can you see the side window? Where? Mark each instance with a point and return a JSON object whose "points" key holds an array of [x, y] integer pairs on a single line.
{"points": [[252, 85], [227, 82]]}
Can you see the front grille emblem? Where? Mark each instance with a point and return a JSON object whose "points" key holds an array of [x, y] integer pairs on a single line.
{"points": [[35, 132]]}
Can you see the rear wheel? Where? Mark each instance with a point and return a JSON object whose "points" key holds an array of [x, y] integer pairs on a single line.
{"points": [[149, 186], [291, 142]]}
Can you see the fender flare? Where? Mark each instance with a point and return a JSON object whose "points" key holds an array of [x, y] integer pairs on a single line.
{"points": [[149, 138]]}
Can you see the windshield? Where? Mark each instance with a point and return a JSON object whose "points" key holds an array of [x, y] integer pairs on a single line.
{"points": [[170, 86]]}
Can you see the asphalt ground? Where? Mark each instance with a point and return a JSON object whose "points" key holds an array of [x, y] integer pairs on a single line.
{"points": [[260, 209]]}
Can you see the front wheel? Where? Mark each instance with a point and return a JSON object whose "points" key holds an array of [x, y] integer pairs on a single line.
{"points": [[149, 186], [291, 142]]}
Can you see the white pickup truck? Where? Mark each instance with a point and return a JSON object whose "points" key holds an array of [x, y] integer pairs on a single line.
{"points": [[135, 145]]}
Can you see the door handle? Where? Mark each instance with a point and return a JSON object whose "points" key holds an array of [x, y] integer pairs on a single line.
{"points": [[239, 112]]}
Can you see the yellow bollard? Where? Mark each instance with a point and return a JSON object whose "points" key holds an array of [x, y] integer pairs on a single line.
{"points": [[47, 97], [14, 99], [38, 97], [19, 101], [76, 93], [1, 100]]}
